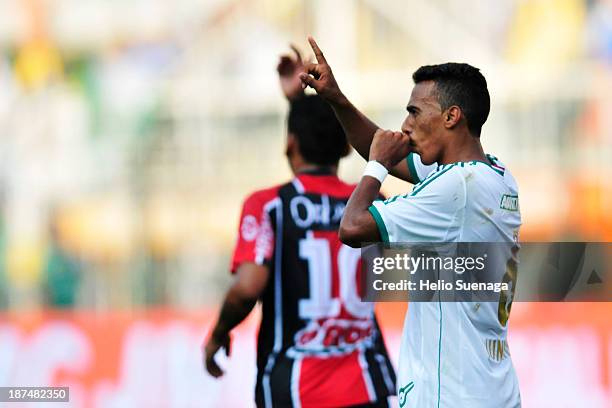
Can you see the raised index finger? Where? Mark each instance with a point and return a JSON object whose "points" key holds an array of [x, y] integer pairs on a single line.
{"points": [[317, 51]]}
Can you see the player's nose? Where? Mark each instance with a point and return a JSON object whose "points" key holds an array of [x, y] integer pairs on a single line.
{"points": [[406, 128], [408, 133]]}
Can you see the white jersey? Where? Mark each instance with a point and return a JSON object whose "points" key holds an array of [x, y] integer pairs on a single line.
{"points": [[454, 354]]}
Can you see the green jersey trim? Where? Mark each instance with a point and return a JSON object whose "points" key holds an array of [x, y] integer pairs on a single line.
{"points": [[412, 168], [495, 167], [433, 176], [384, 235]]}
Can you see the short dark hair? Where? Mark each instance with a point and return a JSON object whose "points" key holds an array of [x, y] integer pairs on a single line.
{"points": [[462, 85], [320, 136]]}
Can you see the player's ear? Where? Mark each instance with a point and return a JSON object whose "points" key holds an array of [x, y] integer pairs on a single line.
{"points": [[452, 116]]}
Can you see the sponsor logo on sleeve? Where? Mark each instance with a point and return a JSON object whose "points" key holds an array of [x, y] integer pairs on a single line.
{"points": [[509, 202], [249, 228]]}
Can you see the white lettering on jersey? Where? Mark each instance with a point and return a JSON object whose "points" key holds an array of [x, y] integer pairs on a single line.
{"points": [[305, 213]]}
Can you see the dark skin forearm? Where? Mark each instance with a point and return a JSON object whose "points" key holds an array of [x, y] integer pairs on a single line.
{"points": [[241, 297], [357, 225], [359, 128], [360, 131], [234, 310], [248, 286]]}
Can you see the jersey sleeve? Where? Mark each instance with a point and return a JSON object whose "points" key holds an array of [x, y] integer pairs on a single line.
{"points": [[418, 170], [255, 241], [433, 212]]}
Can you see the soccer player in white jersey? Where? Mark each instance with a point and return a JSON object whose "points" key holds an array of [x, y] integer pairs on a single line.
{"points": [[452, 354]]}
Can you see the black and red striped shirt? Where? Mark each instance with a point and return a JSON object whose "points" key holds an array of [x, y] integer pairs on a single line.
{"points": [[318, 344]]}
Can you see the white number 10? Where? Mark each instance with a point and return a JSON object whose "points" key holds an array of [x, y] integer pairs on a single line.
{"points": [[317, 251]]}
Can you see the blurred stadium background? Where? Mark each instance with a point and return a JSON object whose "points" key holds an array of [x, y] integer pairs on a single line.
{"points": [[131, 131]]}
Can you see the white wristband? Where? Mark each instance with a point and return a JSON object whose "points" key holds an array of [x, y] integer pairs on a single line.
{"points": [[376, 170]]}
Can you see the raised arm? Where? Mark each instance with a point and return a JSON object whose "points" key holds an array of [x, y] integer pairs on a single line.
{"points": [[359, 128], [358, 225]]}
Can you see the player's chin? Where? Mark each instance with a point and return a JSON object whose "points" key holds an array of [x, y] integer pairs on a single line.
{"points": [[426, 159], [412, 144]]}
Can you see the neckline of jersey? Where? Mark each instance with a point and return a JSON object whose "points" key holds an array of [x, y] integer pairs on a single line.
{"points": [[491, 164], [317, 171]]}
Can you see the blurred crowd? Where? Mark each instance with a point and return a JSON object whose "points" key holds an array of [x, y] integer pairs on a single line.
{"points": [[130, 131]]}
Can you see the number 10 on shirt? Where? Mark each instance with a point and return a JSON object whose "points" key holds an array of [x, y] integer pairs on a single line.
{"points": [[323, 253]]}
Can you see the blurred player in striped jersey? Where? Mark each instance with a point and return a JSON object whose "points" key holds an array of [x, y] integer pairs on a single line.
{"points": [[318, 344]]}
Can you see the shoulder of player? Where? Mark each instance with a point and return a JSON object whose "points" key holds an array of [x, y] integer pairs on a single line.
{"points": [[330, 185], [444, 180], [262, 197], [446, 176], [341, 190]]}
